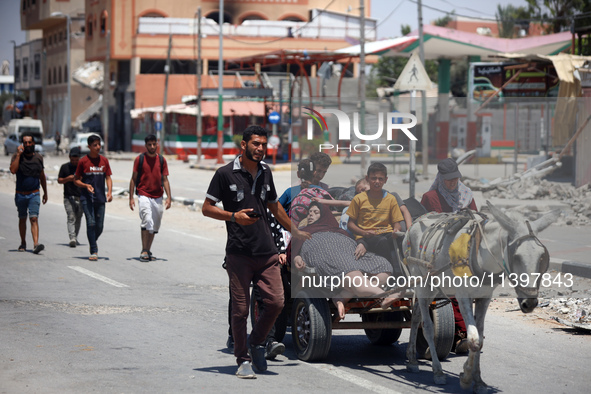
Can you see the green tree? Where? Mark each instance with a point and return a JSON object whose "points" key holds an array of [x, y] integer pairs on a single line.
{"points": [[509, 17], [559, 13], [444, 20], [405, 29]]}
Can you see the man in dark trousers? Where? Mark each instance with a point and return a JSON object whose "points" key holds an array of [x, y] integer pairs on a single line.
{"points": [[92, 173], [150, 180], [28, 167], [246, 189], [72, 202]]}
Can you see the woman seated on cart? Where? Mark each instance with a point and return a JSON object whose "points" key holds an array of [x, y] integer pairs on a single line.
{"points": [[331, 251]]}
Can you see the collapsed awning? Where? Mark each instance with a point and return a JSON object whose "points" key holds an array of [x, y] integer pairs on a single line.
{"points": [[208, 108]]}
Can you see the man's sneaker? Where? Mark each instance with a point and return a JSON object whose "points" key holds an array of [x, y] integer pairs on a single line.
{"points": [[73, 243], [245, 371], [230, 343], [274, 349], [257, 353]]}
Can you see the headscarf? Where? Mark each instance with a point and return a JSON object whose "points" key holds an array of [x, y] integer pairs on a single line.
{"points": [[325, 223], [458, 198]]}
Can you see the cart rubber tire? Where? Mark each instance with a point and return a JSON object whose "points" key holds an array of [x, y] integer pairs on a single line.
{"points": [[383, 337], [444, 326], [311, 329]]}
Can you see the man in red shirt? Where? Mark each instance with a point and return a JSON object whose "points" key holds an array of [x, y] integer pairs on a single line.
{"points": [[150, 181], [92, 173]]}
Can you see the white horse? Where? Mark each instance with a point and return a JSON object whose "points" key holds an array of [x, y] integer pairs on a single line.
{"points": [[507, 249]]}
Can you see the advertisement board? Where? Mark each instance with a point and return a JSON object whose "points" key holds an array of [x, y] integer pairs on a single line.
{"points": [[486, 79]]}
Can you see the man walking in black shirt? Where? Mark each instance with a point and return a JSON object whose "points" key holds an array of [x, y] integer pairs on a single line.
{"points": [[71, 195], [28, 167], [245, 187]]}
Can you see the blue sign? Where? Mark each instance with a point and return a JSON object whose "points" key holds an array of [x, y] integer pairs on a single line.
{"points": [[397, 120], [20, 105], [158, 126], [274, 117]]}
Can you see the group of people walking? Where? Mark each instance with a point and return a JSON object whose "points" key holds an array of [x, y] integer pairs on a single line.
{"points": [[246, 189], [87, 188]]}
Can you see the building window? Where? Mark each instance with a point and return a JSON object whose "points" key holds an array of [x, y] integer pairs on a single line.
{"points": [[66, 73], [59, 75], [60, 37], [37, 66], [103, 25], [89, 26], [17, 71], [44, 42], [48, 77], [54, 76], [25, 69], [50, 40]]}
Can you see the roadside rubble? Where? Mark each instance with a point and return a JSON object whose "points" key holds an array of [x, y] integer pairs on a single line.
{"points": [[529, 185], [567, 305]]}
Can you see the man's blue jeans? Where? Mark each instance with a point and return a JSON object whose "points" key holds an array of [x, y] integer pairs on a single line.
{"points": [[95, 218]]}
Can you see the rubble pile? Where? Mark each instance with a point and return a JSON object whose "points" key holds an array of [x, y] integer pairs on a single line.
{"points": [[568, 305], [532, 188]]}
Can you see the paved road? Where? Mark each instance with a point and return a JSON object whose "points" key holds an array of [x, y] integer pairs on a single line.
{"points": [[119, 325]]}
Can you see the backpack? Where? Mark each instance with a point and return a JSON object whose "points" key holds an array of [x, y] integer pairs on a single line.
{"points": [[301, 203], [140, 167]]}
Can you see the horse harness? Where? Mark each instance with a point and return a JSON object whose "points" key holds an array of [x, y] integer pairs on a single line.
{"points": [[462, 250]]}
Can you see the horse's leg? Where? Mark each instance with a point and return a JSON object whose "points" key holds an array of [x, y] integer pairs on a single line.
{"points": [[465, 304], [480, 310], [411, 349], [429, 333]]}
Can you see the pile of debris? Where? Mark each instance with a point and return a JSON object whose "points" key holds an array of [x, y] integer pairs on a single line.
{"points": [[529, 185]]}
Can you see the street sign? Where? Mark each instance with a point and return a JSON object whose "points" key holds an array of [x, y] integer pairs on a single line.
{"points": [[274, 117], [158, 126], [273, 142], [413, 76]]}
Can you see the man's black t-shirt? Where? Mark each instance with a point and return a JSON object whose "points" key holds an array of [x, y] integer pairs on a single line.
{"points": [[70, 189], [29, 171], [234, 187]]}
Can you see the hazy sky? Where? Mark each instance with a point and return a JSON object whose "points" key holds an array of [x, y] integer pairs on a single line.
{"points": [[407, 14]]}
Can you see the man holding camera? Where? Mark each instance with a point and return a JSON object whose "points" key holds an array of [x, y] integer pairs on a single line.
{"points": [[245, 187]]}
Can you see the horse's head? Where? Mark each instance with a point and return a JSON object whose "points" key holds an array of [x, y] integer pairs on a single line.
{"points": [[527, 257]]}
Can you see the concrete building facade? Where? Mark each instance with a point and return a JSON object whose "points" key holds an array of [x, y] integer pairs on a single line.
{"points": [[50, 98]]}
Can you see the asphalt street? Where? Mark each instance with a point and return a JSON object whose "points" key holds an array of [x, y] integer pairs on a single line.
{"points": [[120, 325]]}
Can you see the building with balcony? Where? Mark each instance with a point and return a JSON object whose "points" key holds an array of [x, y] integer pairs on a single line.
{"points": [[50, 75], [135, 34]]}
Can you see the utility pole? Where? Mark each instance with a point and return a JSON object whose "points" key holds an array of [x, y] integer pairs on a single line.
{"points": [[14, 74], [106, 92], [424, 115], [167, 70], [362, 81], [220, 159], [199, 120]]}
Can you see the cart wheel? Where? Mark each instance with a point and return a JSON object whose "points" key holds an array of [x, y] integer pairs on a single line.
{"points": [[311, 329], [384, 336], [444, 328]]}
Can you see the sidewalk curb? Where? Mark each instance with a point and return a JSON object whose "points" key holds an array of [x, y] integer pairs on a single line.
{"points": [[571, 267], [214, 167]]}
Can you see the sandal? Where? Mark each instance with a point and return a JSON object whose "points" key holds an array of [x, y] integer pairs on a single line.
{"points": [[38, 248], [145, 255], [93, 257], [22, 248]]}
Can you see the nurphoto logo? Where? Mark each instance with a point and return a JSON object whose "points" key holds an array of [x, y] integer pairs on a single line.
{"points": [[393, 122]]}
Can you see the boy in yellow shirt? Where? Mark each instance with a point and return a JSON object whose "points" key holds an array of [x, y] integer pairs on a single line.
{"points": [[374, 218]]}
